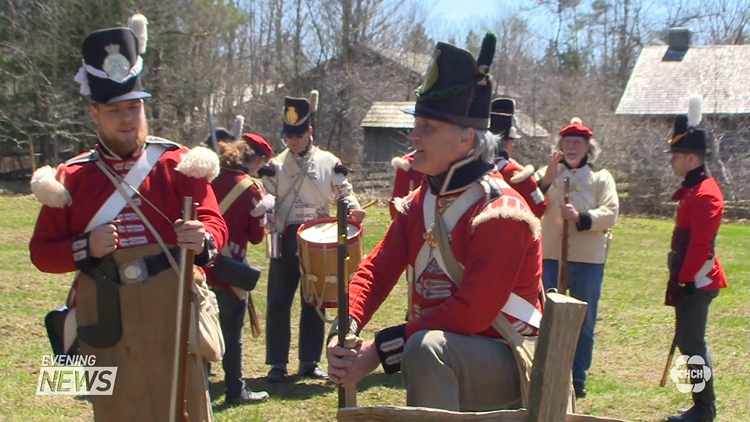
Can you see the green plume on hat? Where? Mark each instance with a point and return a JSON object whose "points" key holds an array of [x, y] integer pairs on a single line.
{"points": [[487, 52]]}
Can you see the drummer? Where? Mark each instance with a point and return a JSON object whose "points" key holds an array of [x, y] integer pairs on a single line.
{"points": [[304, 180]]}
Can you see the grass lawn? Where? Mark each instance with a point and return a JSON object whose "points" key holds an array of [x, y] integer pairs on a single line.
{"points": [[633, 333]]}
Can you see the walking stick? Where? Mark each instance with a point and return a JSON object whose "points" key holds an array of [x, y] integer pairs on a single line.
{"points": [[667, 367], [347, 396], [562, 279], [178, 411]]}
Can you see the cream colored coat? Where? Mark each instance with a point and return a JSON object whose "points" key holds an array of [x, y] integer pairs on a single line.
{"points": [[591, 191], [305, 187]]}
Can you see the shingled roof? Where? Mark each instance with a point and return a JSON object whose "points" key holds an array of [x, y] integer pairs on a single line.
{"points": [[389, 114], [719, 73]]}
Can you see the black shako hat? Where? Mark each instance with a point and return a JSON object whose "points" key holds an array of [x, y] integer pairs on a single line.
{"points": [[222, 134], [297, 114], [687, 136], [457, 88], [112, 64], [502, 112]]}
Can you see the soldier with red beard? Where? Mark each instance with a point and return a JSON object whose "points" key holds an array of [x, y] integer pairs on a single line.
{"points": [[114, 215]]}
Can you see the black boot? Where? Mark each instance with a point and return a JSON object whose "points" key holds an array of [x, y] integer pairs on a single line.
{"points": [[247, 397], [696, 413], [579, 387]]}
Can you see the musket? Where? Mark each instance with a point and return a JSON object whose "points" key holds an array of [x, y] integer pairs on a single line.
{"points": [[667, 367], [255, 328], [347, 396], [562, 279], [212, 128], [178, 410]]}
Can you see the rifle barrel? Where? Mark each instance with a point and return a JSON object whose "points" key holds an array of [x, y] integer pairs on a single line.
{"points": [[347, 396], [179, 376], [563, 277]]}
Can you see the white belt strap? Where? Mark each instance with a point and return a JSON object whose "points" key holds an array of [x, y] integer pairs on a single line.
{"points": [[701, 277], [137, 174], [450, 216], [516, 306]]}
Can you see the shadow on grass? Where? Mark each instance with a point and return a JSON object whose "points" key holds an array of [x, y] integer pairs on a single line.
{"points": [[295, 388], [381, 380]]}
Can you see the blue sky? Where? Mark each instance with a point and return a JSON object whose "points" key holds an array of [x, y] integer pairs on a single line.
{"points": [[460, 11], [447, 18]]}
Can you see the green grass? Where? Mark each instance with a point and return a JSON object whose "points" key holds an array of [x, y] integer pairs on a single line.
{"points": [[633, 333]]}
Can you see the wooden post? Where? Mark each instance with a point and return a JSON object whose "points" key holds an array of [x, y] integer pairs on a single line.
{"points": [[423, 414], [553, 358]]}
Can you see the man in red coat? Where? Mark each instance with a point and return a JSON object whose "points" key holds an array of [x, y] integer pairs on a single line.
{"points": [[244, 202], [123, 302], [695, 273], [406, 180], [448, 352], [518, 177]]}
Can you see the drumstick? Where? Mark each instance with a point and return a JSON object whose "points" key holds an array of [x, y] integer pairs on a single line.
{"points": [[371, 203], [332, 225]]}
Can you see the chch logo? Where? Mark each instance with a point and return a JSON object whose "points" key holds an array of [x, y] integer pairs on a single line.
{"points": [[690, 374]]}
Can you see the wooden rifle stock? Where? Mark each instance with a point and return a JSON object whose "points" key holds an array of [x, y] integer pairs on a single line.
{"points": [[179, 375], [255, 328], [562, 279], [667, 367], [347, 396]]}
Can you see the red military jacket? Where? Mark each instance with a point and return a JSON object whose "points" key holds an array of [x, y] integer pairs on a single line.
{"points": [[245, 217], [406, 180], [164, 188], [700, 210], [503, 229], [522, 179]]}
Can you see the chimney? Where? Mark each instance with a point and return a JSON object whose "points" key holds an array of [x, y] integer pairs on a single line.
{"points": [[679, 38], [679, 43]]}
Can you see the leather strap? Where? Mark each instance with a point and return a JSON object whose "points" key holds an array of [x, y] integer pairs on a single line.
{"points": [[143, 218], [235, 193]]}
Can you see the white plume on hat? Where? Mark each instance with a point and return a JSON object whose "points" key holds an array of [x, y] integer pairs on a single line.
{"points": [[139, 24], [695, 104], [313, 101], [47, 189], [576, 120], [82, 80], [239, 123]]}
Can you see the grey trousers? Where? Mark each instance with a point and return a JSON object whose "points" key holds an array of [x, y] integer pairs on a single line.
{"points": [[691, 318], [450, 371], [283, 280]]}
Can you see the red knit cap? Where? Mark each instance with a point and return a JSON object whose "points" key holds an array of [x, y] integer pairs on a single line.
{"points": [[258, 144], [576, 128]]}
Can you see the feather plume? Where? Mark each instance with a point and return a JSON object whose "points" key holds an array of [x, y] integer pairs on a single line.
{"points": [[82, 79], [576, 120], [314, 101], [139, 24], [487, 52], [694, 110], [239, 123]]}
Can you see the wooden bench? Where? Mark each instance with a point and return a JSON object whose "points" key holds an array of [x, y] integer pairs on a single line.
{"points": [[550, 378]]}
